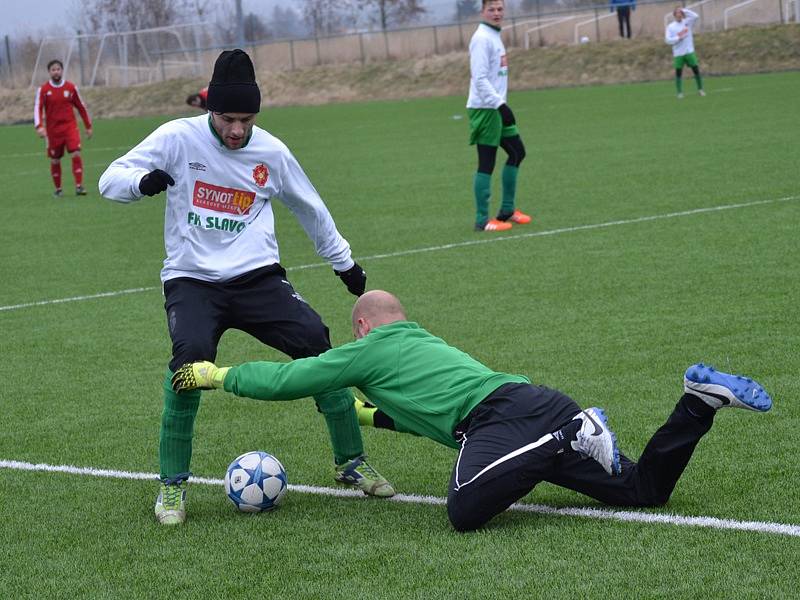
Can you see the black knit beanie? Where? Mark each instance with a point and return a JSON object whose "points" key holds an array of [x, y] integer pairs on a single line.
{"points": [[233, 87]]}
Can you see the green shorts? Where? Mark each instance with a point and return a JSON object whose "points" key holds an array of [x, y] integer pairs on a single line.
{"points": [[486, 127], [686, 59]]}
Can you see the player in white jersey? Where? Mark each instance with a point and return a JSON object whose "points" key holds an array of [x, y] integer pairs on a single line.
{"points": [[491, 121], [678, 34], [222, 268]]}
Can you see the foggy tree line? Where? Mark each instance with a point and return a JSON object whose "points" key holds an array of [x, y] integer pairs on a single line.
{"points": [[308, 17]]}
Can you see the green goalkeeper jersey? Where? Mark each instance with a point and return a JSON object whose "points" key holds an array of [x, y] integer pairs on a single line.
{"points": [[426, 386]]}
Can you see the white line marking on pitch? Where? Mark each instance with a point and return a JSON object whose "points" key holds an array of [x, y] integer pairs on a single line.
{"points": [[589, 513], [38, 171], [485, 240], [44, 152]]}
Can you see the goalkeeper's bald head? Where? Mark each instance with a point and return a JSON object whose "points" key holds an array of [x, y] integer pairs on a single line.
{"points": [[375, 308]]}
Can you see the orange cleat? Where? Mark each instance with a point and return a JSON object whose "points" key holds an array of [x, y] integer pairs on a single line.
{"points": [[494, 225], [520, 218]]}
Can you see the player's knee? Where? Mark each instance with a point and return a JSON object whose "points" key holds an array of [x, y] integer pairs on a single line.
{"points": [[315, 340], [460, 521], [516, 159], [192, 351], [464, 515], [486, 158]]}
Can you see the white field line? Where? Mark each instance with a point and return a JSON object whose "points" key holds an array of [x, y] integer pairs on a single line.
{"points": [[484, 240], [46, 167], [43, 153], [589, 513]]}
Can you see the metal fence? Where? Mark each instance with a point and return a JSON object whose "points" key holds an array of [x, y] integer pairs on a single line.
{"points": [[147, 56]]}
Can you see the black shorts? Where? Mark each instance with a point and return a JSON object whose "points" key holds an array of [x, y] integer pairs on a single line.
{"points": [[262, 303], [506, 449]]}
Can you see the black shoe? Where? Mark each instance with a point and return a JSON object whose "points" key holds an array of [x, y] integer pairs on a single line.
{"points": [[80, 190], [58, 193]]}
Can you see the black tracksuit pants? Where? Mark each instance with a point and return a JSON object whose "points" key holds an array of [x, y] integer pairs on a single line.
{"points": [[508, 447], [624, 18]]}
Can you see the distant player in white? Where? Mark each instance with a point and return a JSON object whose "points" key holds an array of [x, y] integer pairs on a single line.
{"points": [[679, 35], [222, 267], [491, 121]]}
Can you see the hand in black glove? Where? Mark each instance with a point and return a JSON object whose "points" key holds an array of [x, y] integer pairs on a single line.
{"points": [[155, 182], [506, 115], [355, 278]]}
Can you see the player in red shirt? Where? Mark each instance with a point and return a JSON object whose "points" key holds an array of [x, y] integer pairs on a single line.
{"points": [[54, 104], [198, 100]]}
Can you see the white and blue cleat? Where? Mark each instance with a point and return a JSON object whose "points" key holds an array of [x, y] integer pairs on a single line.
{"points": [[596, 440], [719, 389]]}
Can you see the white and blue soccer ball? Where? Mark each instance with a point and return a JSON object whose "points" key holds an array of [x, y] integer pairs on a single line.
{"points": [[256, 482]]}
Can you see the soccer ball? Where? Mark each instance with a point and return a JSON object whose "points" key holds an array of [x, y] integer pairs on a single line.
{"points": [[255, 482]]}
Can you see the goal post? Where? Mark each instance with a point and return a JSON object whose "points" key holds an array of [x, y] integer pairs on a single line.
{"points": [[129, 57]]}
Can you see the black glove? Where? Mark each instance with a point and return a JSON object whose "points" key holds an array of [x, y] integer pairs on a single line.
{"points": [[355, 278], [506, 115], [155, 182]]}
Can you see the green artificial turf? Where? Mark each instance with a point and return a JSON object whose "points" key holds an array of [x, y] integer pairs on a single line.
{"points": [[628, 276]]}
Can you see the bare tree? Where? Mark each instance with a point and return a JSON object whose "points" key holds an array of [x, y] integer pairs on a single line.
{"points": [[466, 9], [255, 29], [102, 16], [287, 23], [386, 13], [326, 17]]}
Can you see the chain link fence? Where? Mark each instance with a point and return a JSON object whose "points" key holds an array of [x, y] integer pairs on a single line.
{"points": [[189, 51]]}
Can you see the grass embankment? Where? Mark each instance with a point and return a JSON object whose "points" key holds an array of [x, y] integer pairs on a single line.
{"points": [[743, 50]]}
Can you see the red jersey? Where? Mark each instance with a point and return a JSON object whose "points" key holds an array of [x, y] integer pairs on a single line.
{"points": [[203, 94], [54, 106]]}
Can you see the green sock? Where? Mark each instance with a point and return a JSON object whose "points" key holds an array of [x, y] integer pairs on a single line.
{"points": [[679, 84], [698, 80], [482, 185], [342, 421], [509, 189], [177, 425]]}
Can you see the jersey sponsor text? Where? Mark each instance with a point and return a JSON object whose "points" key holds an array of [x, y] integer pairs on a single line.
{"points": [[222, 199]]}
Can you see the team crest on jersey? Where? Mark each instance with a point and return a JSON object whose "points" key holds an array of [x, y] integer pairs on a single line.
{"points": [[222, 199], [260, 174], [66, 93]]}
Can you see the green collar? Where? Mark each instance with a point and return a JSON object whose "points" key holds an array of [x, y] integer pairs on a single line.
{"points": [[219, 139], [492, 26]]}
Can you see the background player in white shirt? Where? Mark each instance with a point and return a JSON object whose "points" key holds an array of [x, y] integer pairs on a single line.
{"points": [[678, 34], [491, 121], [222, 267]]}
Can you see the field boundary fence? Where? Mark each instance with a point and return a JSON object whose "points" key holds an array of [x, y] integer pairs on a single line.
{"points": [[123, 59]]}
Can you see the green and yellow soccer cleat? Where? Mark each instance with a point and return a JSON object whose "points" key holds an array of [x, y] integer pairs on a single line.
{"points": [[358, 473], [171, 503]]}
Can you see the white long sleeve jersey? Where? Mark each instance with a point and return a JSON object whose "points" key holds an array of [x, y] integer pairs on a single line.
{"points": [[488, 65], [680, 46], [218, 220]]}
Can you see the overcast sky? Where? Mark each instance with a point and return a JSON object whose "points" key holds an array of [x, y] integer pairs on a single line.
{"points": [[31, 15], [54, 17]]}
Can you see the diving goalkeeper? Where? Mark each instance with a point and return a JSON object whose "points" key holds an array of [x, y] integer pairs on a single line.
{"points": [[510, 434]]}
